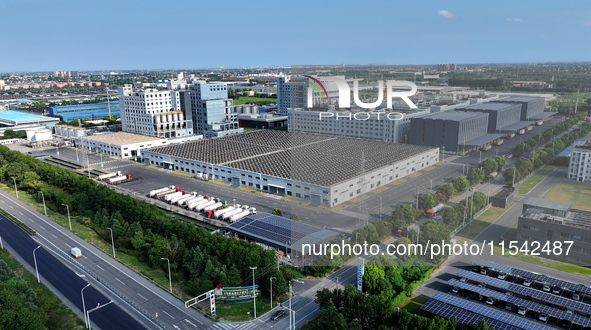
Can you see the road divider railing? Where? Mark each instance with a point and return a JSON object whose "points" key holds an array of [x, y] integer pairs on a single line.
{"points": [[17, 222]]}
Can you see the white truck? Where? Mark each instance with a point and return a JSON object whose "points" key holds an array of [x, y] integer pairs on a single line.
{"points": [[169, 197], [191, 200], [203, 206], [157, 191], [228, 214], [186, 197], [193, 204], [76, 252], [242, 214], [106, 176], [217, 214]]}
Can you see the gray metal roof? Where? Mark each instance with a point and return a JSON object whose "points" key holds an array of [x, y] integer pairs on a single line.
{"points": [[547, 204], [542, 115], [520, 99], [486, 138], [455, 115], [489, 106], [517, 126]]}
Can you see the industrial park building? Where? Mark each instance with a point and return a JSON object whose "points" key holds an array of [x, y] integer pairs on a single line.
{"points": [[293, 92], [319, 169], [93, 111], [120, 144], [454, 131], [552, 222], [502, 117], [579, 166], [375, 126], [532, 108]]}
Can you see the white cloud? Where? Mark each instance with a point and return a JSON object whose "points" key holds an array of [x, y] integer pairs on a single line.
{"points": [[445, 13], [514, 20]]}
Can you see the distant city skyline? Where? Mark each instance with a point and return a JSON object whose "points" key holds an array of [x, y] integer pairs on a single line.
{"points": [[133, 35]]}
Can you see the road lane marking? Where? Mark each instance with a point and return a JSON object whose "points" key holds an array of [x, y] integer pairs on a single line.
{"points": [[41, 227], [11, 207], [141, 296], [165, 312], [101, 268], [53, 235], [118, 280], [19, 212]]}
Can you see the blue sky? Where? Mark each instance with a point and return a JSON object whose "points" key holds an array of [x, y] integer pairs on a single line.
{"points": [[116, 35]]}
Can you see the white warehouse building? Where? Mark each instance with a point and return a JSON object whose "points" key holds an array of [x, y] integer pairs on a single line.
{"points": [[319, 169]]}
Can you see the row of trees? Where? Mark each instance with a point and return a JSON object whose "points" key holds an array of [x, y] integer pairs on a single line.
{"points": [[199, 259], [524, 166], [10, 134], [541, 139]]}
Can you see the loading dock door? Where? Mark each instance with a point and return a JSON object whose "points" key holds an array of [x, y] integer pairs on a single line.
{"points": [[236, 180], [275, 189], [316, 199]]}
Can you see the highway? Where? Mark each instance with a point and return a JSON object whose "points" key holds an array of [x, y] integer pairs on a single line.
{"points": [[132, 288], [69, 284]]}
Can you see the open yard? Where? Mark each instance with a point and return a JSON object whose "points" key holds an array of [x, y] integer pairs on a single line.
{"points": [[479, 224], [577, 194], [254, 100]]}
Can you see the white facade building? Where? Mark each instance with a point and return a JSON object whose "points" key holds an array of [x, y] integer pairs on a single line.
{"points": [[153, 112], [120, 144], [579, 167], [293, 92], [375, 126]]}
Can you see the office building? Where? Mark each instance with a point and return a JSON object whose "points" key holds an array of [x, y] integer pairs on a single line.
{"points": [[453, 131], [294, 92], [121, 144], [93, 111], [211, 110], [319, 169], [555, 222], [154, 112], [579, 166]]}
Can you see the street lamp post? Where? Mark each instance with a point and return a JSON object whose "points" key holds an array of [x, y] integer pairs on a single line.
{"points": [[169, 274], [84, 304], [112, 241], [254, 295], [272, 278], [44, 207], [94, 309], [69, 220], [16, 190], [430, 180], [35, 259]]}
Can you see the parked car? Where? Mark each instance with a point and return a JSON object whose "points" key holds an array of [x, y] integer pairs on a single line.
{"points": [[543, 317], [490, 301], [278, 315], [527, 282], [476, 269], [522, 310], [483, 271], [546, 287], [557, 290], [509, 307], [454, 289], [502, 276], [576, 296]]}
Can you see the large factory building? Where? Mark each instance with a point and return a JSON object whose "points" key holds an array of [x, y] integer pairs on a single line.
{"points": [[323, 170]]}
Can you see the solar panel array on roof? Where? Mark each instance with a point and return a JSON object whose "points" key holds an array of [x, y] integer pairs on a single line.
{"points": [[533, 276], [509, 319], [560, 314], [462, 316], [526, 291], [316, 159], [279, 230]]}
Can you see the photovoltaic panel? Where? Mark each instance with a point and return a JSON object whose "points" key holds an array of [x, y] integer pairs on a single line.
{"points": [[490, 264], [533, 276], [526, 291], [462, 316], [503, 317], [560, 314], [484, 279]]}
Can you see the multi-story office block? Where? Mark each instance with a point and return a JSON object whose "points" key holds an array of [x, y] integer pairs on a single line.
{"points": [[294, 92], [153, 112], [579, 166]]}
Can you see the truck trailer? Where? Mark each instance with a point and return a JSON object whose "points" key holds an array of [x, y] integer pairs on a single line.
{"points": [[430, 213], [120, 179], [157, 191], [161, 194], [106, 176]]}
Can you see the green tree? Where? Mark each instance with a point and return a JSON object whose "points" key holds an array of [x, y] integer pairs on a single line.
{"points": [[451, 216], [475, 176], [489, 165], [508, 175], [501, 161], [371, 278], [294, 216], [402, 215], [277, 211], [427, 201], [447, 190], [460, 184]]}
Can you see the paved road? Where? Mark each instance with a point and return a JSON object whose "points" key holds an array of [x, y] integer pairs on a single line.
{"points": [[53, 272], [495, 232], [141, 292]]}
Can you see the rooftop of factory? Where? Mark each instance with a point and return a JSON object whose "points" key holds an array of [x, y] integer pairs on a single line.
{"points": [[489, 106], [120, 138], [547, 204], [455, 115], [519, 98], [574, 218], [15, 117], [315, 159]]}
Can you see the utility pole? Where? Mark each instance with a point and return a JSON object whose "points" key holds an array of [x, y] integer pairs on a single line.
{"points": [[254, 296], [272, 278]]}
